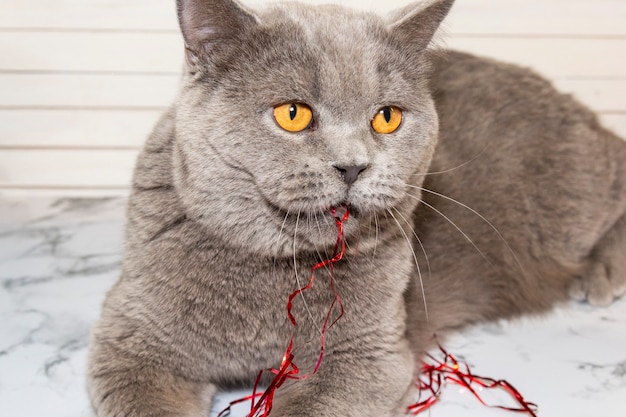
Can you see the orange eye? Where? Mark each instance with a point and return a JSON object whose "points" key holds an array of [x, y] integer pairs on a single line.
{"points": [[293, 117], [387, 120]]}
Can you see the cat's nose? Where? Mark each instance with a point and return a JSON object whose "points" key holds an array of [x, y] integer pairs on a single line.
{"points": [[350, 173]]}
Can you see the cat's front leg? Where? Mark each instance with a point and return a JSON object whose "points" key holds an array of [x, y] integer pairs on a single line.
{"points": [[370, 383], [122, 386]]}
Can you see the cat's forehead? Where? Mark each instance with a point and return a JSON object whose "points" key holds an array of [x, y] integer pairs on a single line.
{"points": [[331, 28], [330, 20], [347, 50]]}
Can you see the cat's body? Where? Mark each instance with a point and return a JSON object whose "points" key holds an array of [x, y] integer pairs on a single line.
{"points": [[544, 173], [229, 213]]}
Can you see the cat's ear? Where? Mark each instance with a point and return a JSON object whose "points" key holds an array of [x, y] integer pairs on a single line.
{"points": [[210, 27], [416, 24]]}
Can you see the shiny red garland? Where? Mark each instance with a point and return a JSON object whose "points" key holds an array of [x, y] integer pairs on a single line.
{"points": [[449, 370], [261, 402], [430, 383]]}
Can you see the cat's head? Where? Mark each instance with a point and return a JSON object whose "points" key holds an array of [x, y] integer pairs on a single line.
{"points": [[289, 111]]}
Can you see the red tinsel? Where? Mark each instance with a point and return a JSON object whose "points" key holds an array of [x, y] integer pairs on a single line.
{"points": [[261, 402], [430, 383], [436, 374]]}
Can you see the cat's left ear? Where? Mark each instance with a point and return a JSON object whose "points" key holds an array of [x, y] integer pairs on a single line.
{"points": [[210, 28], [416, 24]]}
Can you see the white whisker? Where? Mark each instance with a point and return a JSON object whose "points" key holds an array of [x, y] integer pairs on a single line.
{"points": [[295, 269], [280, 234], [491, 225], [419, 241], [321, 257], [376, 225], [453, 225], [419, 272], [395, 234], [445, 171]]}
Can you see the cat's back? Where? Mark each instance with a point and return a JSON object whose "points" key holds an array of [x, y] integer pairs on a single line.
{"points": [[504, 118], [534, 162], [471, 90], [511, 120]]}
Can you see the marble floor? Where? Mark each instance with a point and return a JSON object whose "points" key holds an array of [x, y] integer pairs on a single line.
{"points": [[59, 257]]}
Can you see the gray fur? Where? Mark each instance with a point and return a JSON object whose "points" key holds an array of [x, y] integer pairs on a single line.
{"points": [[228, 211]]}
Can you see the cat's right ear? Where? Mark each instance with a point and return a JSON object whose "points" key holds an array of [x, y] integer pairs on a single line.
{"points": [[209, 28], [416, 24]]}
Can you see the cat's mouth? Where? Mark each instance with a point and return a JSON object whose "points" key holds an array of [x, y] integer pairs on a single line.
{"points": [[337, 210], [314, 222], [341, 212]]}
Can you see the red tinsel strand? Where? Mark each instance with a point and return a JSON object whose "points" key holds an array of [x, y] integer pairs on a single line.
{"points": [[288, 369], [449, 370]]}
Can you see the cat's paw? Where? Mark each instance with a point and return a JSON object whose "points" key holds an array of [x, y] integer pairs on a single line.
{"points": [[600, 286]]}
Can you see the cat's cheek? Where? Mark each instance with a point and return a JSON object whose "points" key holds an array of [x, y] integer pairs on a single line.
{"points": [[417, 147]]}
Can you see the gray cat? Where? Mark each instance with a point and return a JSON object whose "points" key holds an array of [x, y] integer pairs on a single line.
{"points": [[475, 192]]}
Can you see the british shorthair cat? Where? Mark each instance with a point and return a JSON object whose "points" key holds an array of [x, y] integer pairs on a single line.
{"points": [[474, 192]]}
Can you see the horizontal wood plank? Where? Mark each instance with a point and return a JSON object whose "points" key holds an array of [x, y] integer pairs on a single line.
{"points": [[76, 128], [552, 57], [87, 90], [154, 92], [96, 51], [163, 53], [92, 14], [539, 17], [66, 168], [21, 192], [569, 17]]}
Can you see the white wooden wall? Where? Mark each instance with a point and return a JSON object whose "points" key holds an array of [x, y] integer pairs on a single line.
{"points": [[82, 81]]}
